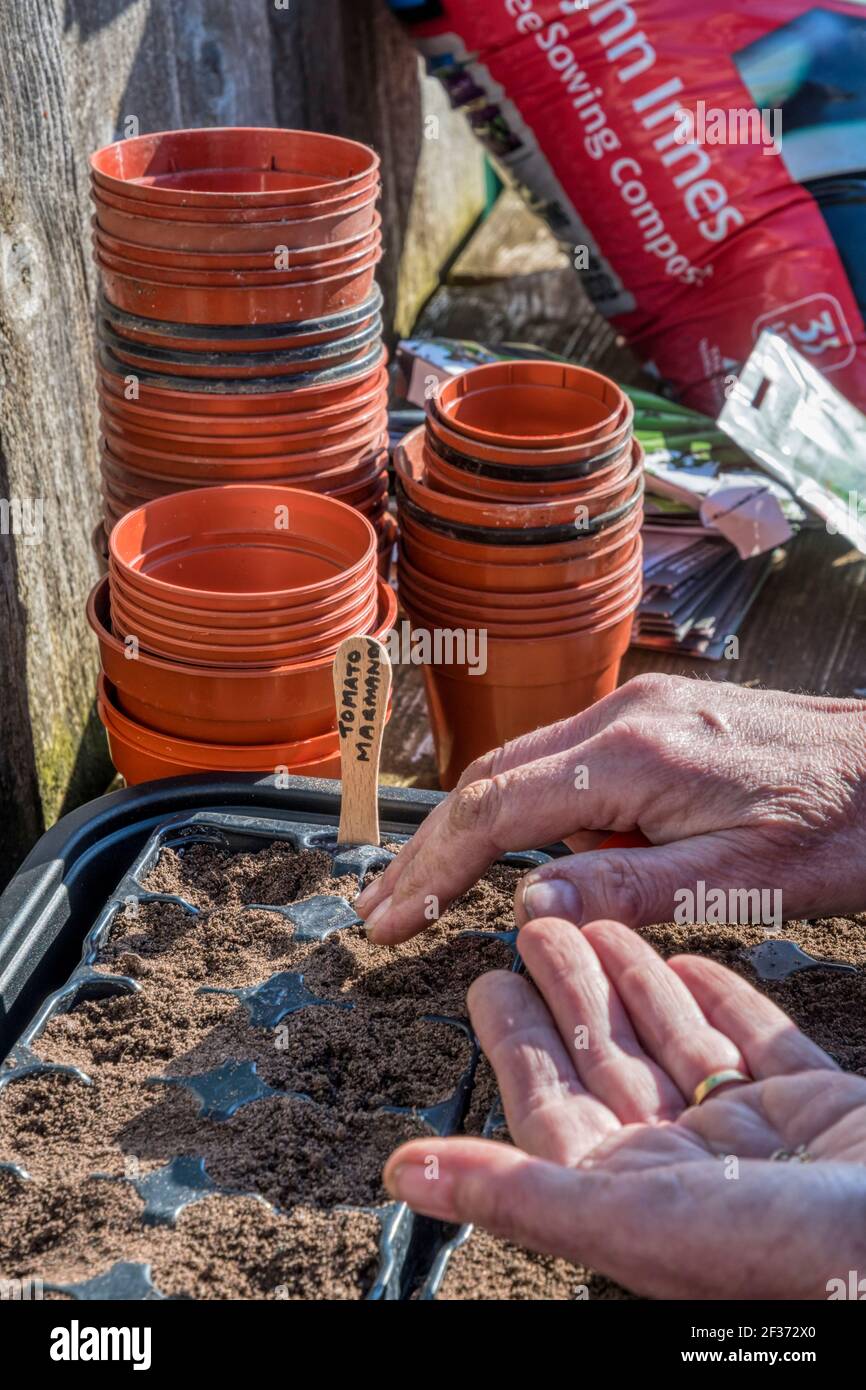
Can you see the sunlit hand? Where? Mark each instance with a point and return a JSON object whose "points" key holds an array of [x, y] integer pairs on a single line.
{"points": [[614, 1168], [739, 789]]}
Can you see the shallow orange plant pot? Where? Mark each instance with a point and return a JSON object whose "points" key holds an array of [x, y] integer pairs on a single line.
{"points": [[310, 642], [233, 166], [502, 569], [187, 303], [223, 548], [346, 218], [211, 705], [594, 508], [244, 399], [195, 423], [530, 404]]}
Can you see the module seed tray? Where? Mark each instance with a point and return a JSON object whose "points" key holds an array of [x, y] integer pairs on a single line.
{"points": [[225, 1070]]}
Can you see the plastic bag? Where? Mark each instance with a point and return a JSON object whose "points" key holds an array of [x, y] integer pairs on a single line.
{"points": [[705, 164]]}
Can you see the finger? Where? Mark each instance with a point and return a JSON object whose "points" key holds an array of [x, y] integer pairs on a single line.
{"points": [[527, 1200], [594, 1026], [549, 1112], [664, 1013], [652, 1229], [639, 886], [770, 1043], [529, 748], [519, 809]]}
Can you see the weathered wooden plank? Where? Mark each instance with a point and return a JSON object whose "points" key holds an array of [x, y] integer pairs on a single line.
{"points": [[71, 77]]}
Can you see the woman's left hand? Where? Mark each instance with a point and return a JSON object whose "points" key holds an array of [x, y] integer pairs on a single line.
{"points": [[615, 1168]]}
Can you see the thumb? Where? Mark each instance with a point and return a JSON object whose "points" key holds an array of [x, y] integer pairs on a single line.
{"points": [[638, 887], [520, 1198]]}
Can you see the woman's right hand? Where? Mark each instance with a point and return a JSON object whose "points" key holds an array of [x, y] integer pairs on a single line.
{"points": [[739, 789]]}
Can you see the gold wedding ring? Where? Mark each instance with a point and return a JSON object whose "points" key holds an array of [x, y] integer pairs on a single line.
{"points": [[715, 1080]]}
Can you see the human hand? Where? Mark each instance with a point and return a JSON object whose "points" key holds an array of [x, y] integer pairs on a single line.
{"points": [[615, 1169], [742, 789]]}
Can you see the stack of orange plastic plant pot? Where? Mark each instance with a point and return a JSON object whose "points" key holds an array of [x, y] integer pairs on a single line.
{"points": [[218, 623], [520, 505], [239, 324]]}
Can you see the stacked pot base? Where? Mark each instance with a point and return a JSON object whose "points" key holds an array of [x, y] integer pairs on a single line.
{"points": [[239, 324], [218, 623], [520, 510]]}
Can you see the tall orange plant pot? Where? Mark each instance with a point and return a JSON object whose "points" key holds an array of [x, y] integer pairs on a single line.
{"points": [[528, 683]]}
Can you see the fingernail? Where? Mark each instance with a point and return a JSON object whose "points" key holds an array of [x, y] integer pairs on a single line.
{"points": [[424, 1184], [377, 916], [365, 896], [552, 897]]}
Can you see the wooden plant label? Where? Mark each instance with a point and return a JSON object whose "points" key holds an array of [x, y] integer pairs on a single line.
{"points": [[362, 685]]}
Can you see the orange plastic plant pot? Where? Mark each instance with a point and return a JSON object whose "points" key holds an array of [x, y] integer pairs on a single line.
{"points": [[335, 606], [281, 368], [306, 450], [242, 216], [211, 705], [125, 480], [153, 631], [239, 547], [236, 277], [444, 476], [234, 167], [341, 221], [305, 647], [344, 432], [520, 618], [305, 299], [507, 461], [263, 339], [510, 627], [564, 598], [527, 684], [410, 466], [254, 427], [174, 258], [530, 404], [223, 757], [244, 401], [137, 765], [530, 569]]}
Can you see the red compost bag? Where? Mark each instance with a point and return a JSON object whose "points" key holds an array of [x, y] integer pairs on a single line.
{"points": [[706, 163]]}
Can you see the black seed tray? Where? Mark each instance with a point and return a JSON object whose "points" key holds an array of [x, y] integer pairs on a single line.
{"points": [[413, 1251]]}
